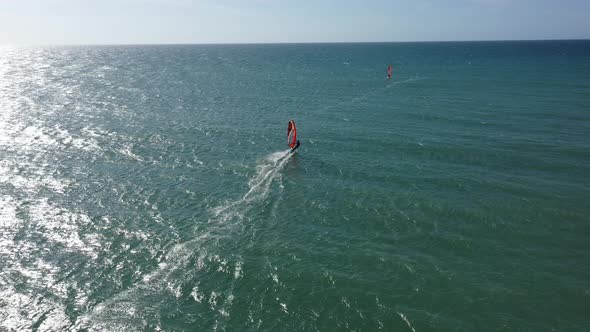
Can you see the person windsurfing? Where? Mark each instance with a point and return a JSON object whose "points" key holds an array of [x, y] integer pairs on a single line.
{"points": [[389, 71], [292, 140]]}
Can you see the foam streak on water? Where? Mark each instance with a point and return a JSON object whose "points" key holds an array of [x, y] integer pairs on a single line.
{"points": [[259, 185], [170, 277]]}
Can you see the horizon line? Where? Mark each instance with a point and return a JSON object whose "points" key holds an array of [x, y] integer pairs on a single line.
{"points": [[295, 43]]}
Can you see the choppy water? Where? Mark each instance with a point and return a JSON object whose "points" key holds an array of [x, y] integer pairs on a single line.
{"points": [[150, 187]]}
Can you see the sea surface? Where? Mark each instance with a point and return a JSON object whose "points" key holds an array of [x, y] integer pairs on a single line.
{"points": [[151, 187]]}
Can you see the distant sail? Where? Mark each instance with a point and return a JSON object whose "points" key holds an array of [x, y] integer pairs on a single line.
{"points": [[291, 134]]}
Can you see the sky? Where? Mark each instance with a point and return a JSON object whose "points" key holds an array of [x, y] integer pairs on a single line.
{"points": [[57, 22]]}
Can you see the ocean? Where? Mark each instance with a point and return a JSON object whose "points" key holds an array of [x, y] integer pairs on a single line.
{"points": [[151, 187]]}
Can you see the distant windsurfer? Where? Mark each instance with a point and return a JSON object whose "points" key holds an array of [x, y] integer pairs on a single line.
{"points": [[389, 71]]}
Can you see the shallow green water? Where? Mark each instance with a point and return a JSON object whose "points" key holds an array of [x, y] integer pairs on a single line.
{"points": [[149, 187]]}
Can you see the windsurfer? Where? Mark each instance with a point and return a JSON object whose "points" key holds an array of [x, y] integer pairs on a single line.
{"points": [[296, 146], [292, 140]]}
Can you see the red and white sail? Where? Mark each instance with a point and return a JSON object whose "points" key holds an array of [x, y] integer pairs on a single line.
{"points": [[291, 134]]}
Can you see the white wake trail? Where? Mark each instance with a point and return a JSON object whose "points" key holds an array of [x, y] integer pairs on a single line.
{"points": [[259, 185], [179, 263]]}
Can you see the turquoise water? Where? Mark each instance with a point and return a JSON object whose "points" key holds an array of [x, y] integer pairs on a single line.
{"points": [[150, 187]]}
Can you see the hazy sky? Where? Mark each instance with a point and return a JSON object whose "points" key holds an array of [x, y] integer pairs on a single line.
{"points": [[245, 21]]}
